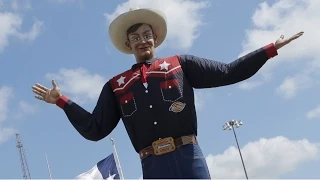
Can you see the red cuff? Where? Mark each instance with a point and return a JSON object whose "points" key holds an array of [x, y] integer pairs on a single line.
{"points": [[271, 50], [62, 101]]}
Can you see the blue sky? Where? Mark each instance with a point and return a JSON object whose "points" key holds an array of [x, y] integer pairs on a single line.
{"points": [[68, 40]]}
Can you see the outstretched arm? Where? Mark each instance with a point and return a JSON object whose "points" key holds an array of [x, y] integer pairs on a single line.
{"points": [[204, 73], [98, 124]]}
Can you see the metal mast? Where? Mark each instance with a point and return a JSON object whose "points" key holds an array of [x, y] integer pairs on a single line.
{"points": [[23, 159], [115, 154], [48, 166]]}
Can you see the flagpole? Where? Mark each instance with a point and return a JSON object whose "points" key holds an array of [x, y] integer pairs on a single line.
{"points": [[115, 154], [48, 166]]}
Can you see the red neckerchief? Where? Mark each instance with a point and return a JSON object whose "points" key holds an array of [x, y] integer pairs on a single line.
{"points": [[143, 69]]}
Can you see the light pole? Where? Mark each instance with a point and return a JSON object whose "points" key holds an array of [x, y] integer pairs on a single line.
{"points": [[230, 125]]}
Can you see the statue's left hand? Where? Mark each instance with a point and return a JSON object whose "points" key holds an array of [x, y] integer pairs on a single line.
{"points": [[282, 42]]}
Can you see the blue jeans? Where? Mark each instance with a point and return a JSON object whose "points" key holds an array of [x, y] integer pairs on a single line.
{"points": [[186, 162]]}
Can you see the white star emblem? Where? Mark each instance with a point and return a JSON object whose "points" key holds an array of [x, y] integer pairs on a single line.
{"points": [[121, 80], [164, 65], [111, 177]]}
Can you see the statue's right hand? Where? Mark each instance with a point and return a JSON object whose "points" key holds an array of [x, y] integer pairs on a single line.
{"points": [[45, 94]]}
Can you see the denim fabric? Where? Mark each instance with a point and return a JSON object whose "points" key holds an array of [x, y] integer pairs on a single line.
{"points": [[186, 162]]}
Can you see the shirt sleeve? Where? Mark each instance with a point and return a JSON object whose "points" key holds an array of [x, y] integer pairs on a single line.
{"points": [[205, 73], [98, 124]]}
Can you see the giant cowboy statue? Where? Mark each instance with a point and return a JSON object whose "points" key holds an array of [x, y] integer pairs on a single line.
{"points": [[155, 98]]}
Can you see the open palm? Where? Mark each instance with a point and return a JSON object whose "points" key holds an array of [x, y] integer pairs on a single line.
{"points": [[282, 42], [45, 94]]}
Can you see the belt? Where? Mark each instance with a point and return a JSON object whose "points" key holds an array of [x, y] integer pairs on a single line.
{"points": [[167, 145]]}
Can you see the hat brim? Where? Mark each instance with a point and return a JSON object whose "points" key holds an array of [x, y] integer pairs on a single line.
{"points": [[119, 26]]}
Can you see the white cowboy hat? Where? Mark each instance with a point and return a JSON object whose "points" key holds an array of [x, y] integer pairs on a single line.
{"points": [[119, 26]]}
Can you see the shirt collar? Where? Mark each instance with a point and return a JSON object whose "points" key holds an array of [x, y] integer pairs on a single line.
{"points": [[149, 62]]}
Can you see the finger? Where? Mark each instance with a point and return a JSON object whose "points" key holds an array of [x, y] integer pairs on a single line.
{"points": [[295, 37], [54, 84], [282, 36], [39, 93], [39, 97], [38, 89], [298, 35], [42, 87], [301, 32]]}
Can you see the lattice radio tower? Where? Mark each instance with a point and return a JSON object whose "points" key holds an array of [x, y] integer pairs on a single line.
{"points": [[23, 159]]}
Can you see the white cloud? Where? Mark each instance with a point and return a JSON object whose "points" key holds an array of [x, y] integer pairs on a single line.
{"points": [[248, 85], [24, 109], [20, 4], [10, 24], [201, 98], [288, 88], [286, 17], [79, 83], [181, 14], [198, 100], [6, 94], [20, 111], [292, 85], [33, 33], [266, 158], [63, 1], [6, 133], [80, 3], [314, 113], [15, 5]]}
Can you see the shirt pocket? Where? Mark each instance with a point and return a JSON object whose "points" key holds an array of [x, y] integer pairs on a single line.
{"points": [[128, 104], [170, 90]]}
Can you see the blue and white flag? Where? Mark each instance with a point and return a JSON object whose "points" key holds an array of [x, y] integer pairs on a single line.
{"points": [[104, 169]]}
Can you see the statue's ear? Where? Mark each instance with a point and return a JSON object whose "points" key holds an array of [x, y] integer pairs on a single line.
{"points": [[155, 38], [128, 45]]}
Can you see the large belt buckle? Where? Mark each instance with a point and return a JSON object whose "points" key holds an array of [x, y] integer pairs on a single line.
{"points": [[163, 146]]}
